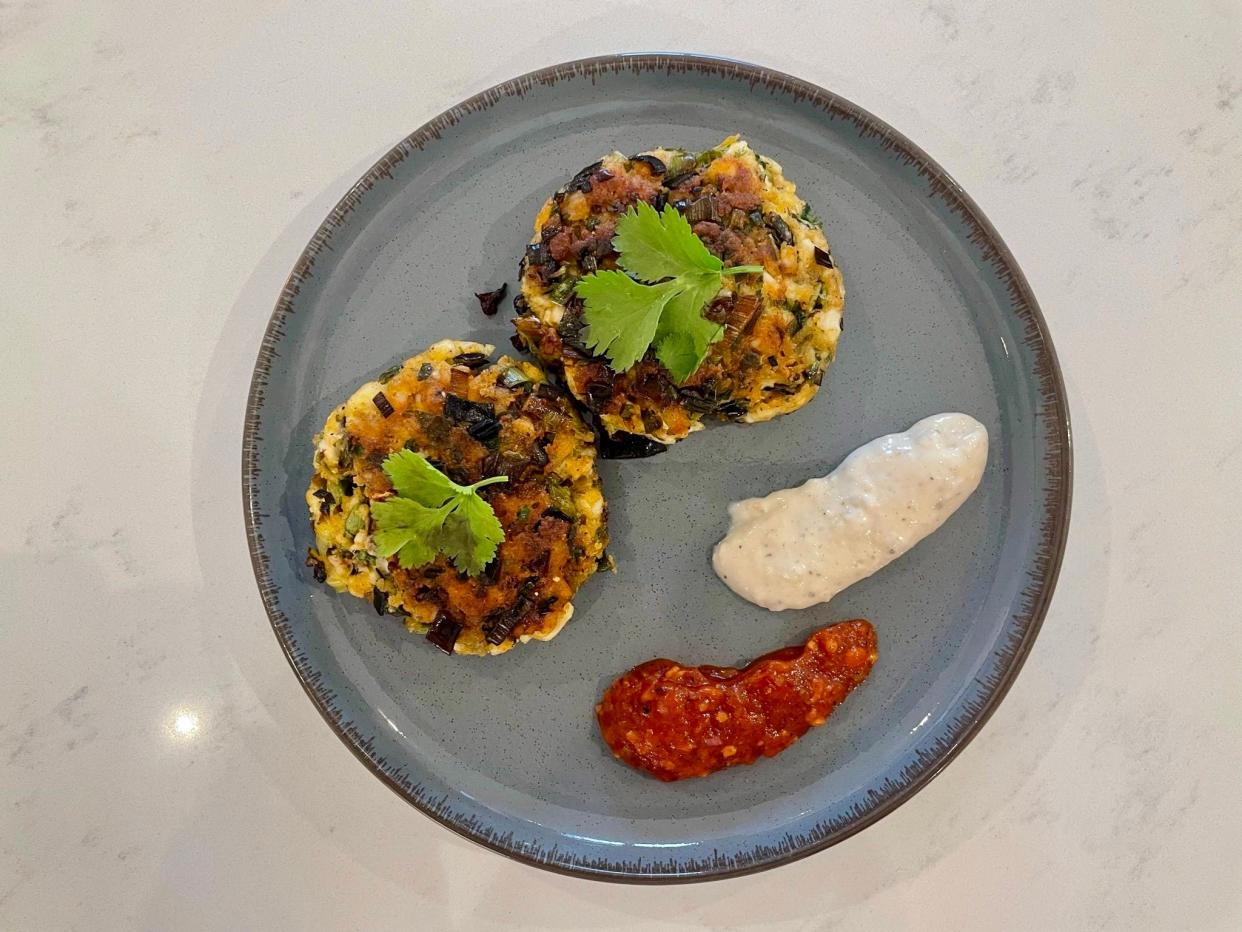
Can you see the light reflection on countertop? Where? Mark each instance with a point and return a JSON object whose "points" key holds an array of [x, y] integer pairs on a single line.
{"points": [[184, 725]]}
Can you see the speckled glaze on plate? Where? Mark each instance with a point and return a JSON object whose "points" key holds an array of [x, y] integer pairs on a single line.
{"points": [[938, 318]]}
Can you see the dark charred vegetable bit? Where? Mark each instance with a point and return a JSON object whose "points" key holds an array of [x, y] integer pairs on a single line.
{"points": [[513, 377], [484, 430], [570, 331], [468, 413], [491, 573], [588, 263], [680, 204], [548, 271], [623, 446], [550, 229], [598, 393], [443, 633], [824, 258], [379, 600], [702, 209], [499, 625], [718, 311], [347, 486], [698, 400], [472, 361], [678, 180], [779, 229], [538, 257], [316, 566], [517, 343], [660, 199], [536, 406], [424, 371], [387, 374], [489, 301], [326, 501], [582, 180], [742, 317], [385, 406], [459, 380], [657, 167], [520, 304], [511, 463], [604, 174]]}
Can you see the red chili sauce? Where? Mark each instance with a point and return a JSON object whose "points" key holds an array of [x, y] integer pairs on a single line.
{"points": [[676, 722]]}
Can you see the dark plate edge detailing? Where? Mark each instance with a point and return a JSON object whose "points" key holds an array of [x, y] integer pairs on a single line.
{"points": [[1005, 661]]}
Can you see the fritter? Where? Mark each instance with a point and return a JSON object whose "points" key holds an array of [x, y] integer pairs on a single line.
{"points": [[472, 419], [781, 328]]}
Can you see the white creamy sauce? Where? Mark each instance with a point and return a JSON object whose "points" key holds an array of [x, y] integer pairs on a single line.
{"points": [[798, 547]]}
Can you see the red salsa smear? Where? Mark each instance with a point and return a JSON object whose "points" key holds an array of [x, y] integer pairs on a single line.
{"points": [[676, 722]]}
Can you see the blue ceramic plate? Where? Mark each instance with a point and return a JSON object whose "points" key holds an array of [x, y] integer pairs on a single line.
{"points": [[938, 318]]}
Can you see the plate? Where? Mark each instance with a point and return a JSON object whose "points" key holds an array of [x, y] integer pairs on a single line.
{"points": [[938, 318]]}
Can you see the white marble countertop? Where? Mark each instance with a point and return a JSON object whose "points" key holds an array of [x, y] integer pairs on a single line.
{"points": [[165, 163]]}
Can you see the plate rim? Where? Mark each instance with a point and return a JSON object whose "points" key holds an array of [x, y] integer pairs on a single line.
{"points": [[1052, 400]]}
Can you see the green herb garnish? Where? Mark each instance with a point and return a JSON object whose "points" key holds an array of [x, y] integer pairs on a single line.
{"points": [[433, 514], [626, 317]]}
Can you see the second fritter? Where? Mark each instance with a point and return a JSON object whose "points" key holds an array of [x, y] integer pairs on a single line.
{"points": [[780, 329]]}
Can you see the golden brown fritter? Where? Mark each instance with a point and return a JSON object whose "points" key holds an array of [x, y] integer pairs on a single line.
{"points": [[781, 328], [472, 419]]}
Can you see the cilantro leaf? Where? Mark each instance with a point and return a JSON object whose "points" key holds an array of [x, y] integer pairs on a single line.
{"points": [[625, 317], [415, 478], [685, 336], [407, 528], [655, 246], [629, 324], [433, 514], [473, 534]]}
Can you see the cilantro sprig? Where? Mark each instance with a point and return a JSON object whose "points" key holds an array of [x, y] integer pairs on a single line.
{"points": [[433, 514], [677, 277]]}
